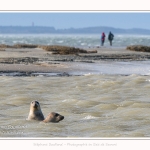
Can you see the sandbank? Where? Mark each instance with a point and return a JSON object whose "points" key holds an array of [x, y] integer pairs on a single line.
{"points": [[32, 60]]}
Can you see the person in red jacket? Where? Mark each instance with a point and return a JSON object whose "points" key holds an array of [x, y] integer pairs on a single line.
{"points": [[102, 39]]}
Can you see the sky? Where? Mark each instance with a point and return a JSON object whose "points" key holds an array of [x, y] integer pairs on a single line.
{"points": [[62, 20]]}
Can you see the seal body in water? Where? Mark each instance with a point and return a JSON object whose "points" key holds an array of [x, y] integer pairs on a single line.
{"points": [[53, 117], [35, 112]]}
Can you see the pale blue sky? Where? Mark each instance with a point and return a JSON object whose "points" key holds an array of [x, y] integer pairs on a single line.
{"points": [[61, 20]]}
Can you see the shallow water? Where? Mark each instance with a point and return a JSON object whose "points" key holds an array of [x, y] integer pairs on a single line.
{"points": [[108, 99], [94, 105]]}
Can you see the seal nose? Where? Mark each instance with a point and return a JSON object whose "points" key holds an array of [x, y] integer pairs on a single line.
{"points": [[35, 105], [62, 117]]}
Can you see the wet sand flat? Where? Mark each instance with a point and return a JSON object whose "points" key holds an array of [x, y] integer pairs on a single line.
{"points": [[39, 60]]}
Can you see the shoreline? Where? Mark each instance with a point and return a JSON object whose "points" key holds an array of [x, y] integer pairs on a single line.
{"points": [[32, 61]]}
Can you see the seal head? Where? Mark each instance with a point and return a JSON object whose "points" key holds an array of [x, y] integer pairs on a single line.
{"points": [[35, 112], [53, 117]]}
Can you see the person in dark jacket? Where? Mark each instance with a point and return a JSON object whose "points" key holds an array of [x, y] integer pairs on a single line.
{"points": [[110, 38], [102, 39]]}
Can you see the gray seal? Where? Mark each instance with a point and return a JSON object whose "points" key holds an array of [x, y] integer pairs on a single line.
{"points": [[53, 117], [35, 112]]}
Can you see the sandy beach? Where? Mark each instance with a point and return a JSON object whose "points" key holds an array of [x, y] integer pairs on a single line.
{"points": [[29, 60]]}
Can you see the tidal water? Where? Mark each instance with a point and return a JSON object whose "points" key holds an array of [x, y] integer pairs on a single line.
{"points": [[76, 40], [102, 102], [107, 99]]}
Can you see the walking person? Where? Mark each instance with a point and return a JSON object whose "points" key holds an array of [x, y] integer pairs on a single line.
{"points": [[102, 39], [110, 38]]}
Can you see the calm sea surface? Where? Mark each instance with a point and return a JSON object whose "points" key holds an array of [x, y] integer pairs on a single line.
{"points": [[110, 99]]}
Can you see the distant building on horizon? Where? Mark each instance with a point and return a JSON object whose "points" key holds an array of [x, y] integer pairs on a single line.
{"points": [[32, 24]]}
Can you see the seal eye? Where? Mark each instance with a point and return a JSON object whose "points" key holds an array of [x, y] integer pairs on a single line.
{"points": [[56, 115], [37, 102]]}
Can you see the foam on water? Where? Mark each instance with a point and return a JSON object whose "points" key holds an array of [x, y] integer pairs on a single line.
{"points": [[89, 117]]}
